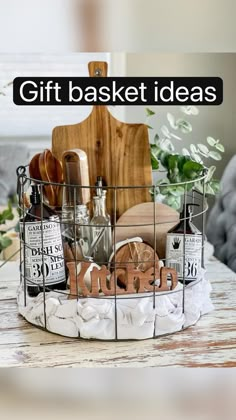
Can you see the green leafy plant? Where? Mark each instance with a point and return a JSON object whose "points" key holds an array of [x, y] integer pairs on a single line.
{"points": [[6, 214], [186, 166]]}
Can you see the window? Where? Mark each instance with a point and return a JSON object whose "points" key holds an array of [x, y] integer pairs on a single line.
{"points": [[38, 121]]}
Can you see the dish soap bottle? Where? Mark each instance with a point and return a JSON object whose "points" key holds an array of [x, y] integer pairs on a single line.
{"points": [[175, 248], [43, 247], [101, 229]]}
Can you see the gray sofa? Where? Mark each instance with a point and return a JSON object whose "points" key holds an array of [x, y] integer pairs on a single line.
{"points": [[11, 156], [221, 225]]}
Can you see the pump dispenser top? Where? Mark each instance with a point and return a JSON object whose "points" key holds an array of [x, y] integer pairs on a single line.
{"points": [[35, 195], [186, 224]]}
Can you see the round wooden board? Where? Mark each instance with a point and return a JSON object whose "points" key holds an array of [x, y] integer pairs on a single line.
{"points": [[141, 254], [128, 224]]}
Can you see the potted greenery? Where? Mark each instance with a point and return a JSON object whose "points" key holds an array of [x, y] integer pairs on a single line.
{"points": [[185, 166], [5, 215]]}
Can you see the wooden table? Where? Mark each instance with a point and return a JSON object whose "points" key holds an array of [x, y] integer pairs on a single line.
{"points": [[210, 343]]}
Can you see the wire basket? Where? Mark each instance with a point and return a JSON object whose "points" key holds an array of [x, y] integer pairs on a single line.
{"points": [[118, 315]]}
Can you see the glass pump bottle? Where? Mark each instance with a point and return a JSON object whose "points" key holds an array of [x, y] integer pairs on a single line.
{"points": [[75, 225], [184, 247], [101, 230], [75, 228]]}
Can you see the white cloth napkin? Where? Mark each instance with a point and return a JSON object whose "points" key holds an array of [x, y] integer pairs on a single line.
{"points": [[136, 315]]}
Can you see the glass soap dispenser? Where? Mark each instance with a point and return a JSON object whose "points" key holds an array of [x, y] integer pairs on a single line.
{"points": [[75, 230], [101, 229], [185, 238], [75, 215]]}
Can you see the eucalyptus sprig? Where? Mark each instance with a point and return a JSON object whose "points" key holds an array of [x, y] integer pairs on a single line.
{"points": [[6, 214], [184, 167], [3, 88]]}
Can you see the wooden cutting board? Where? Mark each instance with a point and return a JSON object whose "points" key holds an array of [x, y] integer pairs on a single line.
{"points": [[141, 214], [117, 151]]}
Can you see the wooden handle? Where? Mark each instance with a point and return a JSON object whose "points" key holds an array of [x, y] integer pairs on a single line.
{"points": [[100, 115], [76, 172], [98, 68], [49, 190]]}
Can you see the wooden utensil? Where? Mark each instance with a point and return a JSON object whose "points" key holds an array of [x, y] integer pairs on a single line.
{"points": [[59, 180], [143, 214], [55, 174], [76, 172], [117, 151], [34, 167], [45, 167], [50, 171]]}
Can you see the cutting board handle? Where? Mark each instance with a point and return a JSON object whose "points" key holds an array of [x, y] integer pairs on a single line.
{"points": [[98, 68]]}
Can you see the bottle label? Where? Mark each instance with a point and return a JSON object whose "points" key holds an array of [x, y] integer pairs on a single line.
{"points": [[43, 253], [175, 254]]}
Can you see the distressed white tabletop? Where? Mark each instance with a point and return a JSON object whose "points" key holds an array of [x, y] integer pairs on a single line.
{"points": [[210, 343]]}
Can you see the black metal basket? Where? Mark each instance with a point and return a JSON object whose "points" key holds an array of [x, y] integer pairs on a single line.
{"points": [[115, 301]]}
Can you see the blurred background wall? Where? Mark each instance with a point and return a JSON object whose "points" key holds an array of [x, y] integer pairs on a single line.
{"points": [[124, 25], [41, 25]]}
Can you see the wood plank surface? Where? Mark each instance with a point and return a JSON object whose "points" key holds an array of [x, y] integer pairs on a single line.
{"points": [[210, 343]]}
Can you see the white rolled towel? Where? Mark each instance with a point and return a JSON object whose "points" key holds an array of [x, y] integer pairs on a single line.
{"points": [[66, 327]]}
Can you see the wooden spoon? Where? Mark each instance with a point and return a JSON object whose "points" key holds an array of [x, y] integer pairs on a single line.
{"points": [[48, 189], [59, 180], [34, 167], [46, 167], [51, 171], [55, 174]]}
